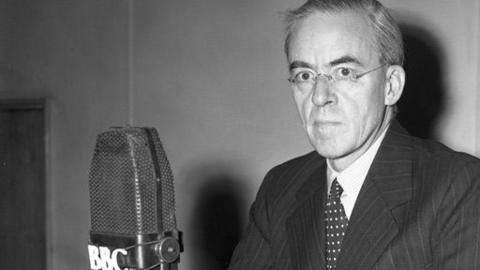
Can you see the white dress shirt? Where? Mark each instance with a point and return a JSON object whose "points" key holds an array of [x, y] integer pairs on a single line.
{"points": [[351, 179]]}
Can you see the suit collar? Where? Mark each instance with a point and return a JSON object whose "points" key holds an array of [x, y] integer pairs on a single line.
{"points": [[392, 168], [305, 227], [376, 217], [380, 208]]}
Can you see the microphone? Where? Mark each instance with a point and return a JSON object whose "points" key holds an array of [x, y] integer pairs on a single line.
{"points": [[132, 203]]}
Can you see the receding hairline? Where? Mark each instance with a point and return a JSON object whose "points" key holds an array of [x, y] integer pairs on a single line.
{"points": [[386, 37], [293, 25]]}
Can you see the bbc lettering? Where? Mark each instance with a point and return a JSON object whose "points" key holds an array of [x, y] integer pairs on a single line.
{"points": [[102, 259]]}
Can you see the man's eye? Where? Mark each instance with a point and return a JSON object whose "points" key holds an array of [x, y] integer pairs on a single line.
{"points": [[304, 76], [344, 72]]}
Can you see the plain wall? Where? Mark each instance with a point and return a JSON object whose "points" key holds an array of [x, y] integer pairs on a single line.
{"points": [[211, 77], [75, 55]]}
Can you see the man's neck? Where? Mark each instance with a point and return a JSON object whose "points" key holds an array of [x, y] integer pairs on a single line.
{"points": [[340, 164]]}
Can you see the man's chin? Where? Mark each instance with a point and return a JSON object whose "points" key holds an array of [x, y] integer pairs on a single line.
{"points": [[329, 156], [328, 152]]}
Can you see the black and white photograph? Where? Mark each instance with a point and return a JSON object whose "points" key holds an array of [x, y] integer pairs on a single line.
{"points": [[235, 135]]}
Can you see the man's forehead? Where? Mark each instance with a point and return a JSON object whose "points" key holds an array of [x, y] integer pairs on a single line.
{"points": [[334, 37], [346, 59]]}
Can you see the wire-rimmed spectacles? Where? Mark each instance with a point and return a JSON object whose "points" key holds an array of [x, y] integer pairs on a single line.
{"points": [[307, 78]]}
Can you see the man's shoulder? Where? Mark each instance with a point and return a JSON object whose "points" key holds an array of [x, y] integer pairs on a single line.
{"points": [[292, 174], [436, 152], [300, 161], [424, 151], [440, 166], [283, 183]]}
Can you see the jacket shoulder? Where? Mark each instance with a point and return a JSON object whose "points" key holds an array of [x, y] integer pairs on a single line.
{"points": [[442, 170], [294, 168], [282, 182], [294, 163], [445, 157]]}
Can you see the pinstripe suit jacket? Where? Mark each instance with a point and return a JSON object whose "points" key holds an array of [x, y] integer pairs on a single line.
{"points": [[419, 208]]}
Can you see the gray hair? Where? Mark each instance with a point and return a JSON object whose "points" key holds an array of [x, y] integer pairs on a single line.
{"points": [[388, 41]]}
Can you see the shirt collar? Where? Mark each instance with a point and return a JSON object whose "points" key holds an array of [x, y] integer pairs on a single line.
{"points": [[351, 179]]}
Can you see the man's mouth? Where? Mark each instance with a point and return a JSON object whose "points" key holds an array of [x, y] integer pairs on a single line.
{"points": [[325, 128], [325, 123]]}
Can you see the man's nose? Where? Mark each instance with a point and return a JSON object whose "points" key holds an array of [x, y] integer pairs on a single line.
{"points": [[321, 92]]}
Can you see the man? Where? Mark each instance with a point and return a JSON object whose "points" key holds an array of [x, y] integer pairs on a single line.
{"points": [[371, 196]]}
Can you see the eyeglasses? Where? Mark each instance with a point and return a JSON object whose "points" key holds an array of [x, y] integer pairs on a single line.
{"points": [[305, 79]]}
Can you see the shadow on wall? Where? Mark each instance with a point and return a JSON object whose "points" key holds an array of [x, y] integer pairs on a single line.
{"points": [[423, 98], [217, 220]]}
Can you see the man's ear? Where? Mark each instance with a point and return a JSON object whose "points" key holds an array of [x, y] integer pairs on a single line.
{"points": [[394, 84]]}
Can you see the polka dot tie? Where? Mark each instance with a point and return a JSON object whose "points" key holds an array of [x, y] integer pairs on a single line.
{"points": [[335, 224]]}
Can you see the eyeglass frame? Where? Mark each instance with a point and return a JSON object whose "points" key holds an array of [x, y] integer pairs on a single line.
{"points": [[330, 77]]}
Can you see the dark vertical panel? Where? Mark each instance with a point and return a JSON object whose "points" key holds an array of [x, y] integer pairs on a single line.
{"points": [[22, 187]]}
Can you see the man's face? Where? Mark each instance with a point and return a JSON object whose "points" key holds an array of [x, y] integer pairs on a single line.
{"points": [[342, 118]]}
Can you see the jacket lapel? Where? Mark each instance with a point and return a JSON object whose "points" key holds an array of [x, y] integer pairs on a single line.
{"points": [[380, 207], [305, 227]]}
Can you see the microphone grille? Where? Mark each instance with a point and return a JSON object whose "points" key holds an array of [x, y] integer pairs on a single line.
{"points": [[167, 209], [123, 183]]}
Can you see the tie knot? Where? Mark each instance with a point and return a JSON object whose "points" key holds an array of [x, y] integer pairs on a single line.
{"points": [[336, 190]]}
